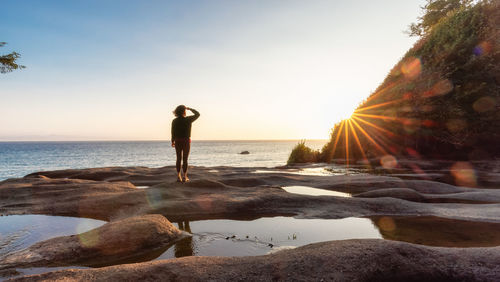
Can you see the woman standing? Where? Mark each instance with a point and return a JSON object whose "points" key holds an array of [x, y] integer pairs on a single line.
{"points": [[181, 138]]}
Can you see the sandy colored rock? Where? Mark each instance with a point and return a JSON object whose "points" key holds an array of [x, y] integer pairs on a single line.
{"points": [[349, 260], [109, 244], [67, 197], [479, 196], [235, 193], [400, 193], [249, 193]]}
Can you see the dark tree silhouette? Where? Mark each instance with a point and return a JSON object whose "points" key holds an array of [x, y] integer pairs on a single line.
{"points": [[8, 62]]}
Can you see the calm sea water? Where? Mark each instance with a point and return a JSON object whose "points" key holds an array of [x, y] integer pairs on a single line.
{"points": [[20, 158]]}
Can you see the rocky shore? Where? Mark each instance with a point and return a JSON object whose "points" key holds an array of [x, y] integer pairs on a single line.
{"points": [[139, 202], [349, 260], [116, 242]]}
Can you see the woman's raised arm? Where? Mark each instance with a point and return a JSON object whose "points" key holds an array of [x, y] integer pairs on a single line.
{"points": [[195, 116]]}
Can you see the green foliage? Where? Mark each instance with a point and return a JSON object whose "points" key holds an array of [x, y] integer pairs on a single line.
{"points": [[433, 12], [448, 108], [302, 154], [8, 62], [328, 151]]}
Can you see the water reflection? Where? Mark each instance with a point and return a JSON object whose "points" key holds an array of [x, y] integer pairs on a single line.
{"points": [[436, 231], [21, 231], [263, 235], [184, 247], [310, 191], [303, 171], [260, 236]]}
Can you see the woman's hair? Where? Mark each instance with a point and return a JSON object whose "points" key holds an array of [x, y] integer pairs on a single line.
{"points": [[179, 111]]}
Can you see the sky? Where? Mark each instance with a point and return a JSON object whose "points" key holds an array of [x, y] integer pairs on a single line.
{"points": [[263, 69]]}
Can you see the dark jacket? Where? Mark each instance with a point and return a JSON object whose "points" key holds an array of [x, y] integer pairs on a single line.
{"points": [[181, 126]]}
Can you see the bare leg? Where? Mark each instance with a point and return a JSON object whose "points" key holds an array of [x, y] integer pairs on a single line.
{"points": [[178, 152], [185, 156]]}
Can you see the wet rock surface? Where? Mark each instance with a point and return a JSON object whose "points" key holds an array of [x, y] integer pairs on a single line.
{"points": [[232, 193], [349, 260], [113, 243], [111, 194]]}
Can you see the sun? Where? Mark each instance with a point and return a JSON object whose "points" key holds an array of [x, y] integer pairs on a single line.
{"points": [[347, 115], [358, 125]]}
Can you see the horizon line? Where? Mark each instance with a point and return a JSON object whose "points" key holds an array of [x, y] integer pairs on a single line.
{"points": [[162, 140]]}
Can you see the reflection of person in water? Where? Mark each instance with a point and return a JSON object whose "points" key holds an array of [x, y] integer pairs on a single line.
{"points": [[184, 247], [181, 138]]}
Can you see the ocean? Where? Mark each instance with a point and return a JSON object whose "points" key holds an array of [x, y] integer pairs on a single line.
{"points": [[18, 159]]}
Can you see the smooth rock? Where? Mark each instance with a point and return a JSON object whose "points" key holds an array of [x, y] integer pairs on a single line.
{"points": [[112, 243], [349, 260], [400, 193]]}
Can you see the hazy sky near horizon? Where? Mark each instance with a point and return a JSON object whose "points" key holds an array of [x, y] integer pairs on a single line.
{"points": [[264, 69]]}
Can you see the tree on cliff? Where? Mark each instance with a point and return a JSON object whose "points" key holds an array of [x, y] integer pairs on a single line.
{"points": [[434, 11], [441, 100], [8, 62]]}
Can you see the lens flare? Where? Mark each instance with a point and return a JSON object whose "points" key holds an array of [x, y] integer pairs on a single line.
{"points": [[204, 202], [364, 129], [339, 133], [369, 137], [484, 104], [464, 174], [347, 143], [429, 123], [442, 87], [413, 153], [411, 68], [420, 171], [89, 239], [411, 125], [365, 159], [407, 96], [482, 48], [374, 126], [378, 105], [376, 116], [154, 198], [386, 224], [388, 162]]}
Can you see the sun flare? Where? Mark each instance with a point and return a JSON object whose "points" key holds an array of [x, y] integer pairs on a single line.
{"points": [[346, 115]]}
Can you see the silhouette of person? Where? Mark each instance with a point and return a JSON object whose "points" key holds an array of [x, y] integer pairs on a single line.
{"points": [[184, 247], [181, 139]]}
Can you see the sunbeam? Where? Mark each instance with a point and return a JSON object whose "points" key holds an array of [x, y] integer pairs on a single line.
{"points": [[377, 105], [374, 126], [377, 116], [346, 130], [336, 140], [357, 142], [369, 137]]}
